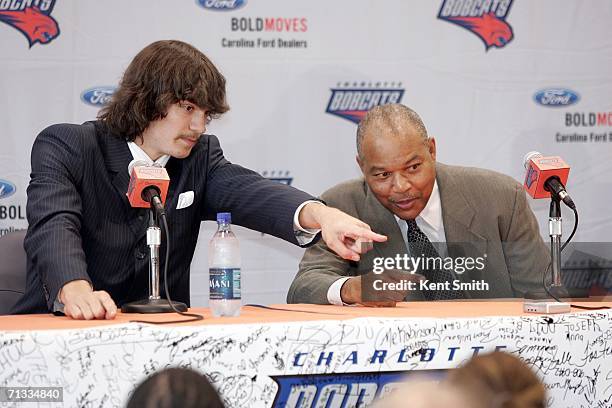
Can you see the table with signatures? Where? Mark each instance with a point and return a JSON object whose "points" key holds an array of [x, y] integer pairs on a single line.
{"points": [[307, 355]]}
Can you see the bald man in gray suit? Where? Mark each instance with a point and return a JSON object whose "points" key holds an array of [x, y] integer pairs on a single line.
{"points": [[409, 197]]}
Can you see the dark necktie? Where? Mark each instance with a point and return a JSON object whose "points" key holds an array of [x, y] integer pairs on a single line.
{"points": [[421, 246]]}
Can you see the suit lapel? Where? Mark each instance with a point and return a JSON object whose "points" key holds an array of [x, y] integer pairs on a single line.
{"points": [[457, 214], [459, 221], [117, 157], [175, 172]]}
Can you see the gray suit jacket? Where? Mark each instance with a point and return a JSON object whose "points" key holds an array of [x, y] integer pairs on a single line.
{"points": [[486, 210]]}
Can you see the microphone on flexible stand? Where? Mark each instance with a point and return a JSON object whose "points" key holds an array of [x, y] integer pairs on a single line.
{"points": [[546, 177], [147, 189]]}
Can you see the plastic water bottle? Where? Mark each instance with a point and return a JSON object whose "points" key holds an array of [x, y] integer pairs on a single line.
{"points": [[224, 269]]}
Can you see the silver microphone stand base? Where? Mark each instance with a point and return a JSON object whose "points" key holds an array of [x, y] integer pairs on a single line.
{"points": [[152, 306]]}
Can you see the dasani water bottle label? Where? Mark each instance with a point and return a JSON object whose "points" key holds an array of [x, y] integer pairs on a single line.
{"points": [[224, 283]]}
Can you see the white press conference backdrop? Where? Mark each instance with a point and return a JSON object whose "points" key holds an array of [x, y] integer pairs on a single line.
{"points": [[491, 79]]}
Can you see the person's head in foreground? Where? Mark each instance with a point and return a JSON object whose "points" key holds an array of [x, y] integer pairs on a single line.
{"points": [[175, 388], [500, 380], [420, 392], [397, 158]]}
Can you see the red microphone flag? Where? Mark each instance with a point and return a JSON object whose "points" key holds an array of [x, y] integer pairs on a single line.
{"points": [[541, 168], [143, 177]]}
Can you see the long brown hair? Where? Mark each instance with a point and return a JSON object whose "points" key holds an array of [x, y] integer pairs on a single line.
{"points": [[502, 380], [163, 73]]}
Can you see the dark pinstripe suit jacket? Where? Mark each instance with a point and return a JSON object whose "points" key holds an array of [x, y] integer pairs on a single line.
{"points": [[81, 225]]}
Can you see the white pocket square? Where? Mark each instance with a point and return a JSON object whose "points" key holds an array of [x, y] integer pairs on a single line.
{"points": [[184, 200]]}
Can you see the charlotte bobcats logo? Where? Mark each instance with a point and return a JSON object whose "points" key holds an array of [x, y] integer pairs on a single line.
{"points": [[485, 19], [34, 22], [352, 100]]}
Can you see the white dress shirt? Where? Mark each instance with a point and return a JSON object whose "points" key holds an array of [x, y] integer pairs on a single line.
{"points": [[139, 154], [429, 221]]}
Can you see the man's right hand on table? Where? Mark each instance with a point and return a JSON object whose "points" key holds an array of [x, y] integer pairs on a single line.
{"points": [[352, 290], [81, 302]]}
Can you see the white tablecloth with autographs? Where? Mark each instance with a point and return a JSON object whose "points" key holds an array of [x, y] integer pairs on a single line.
{"points": [[281, 364]]}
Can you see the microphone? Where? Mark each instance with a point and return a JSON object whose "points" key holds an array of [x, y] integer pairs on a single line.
{"points": [[148, 186], [546, 175], [147, 189]]}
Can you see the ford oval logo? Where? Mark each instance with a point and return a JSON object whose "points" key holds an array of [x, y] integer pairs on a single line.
{"points": [[221, 5], [7, 189], [98, 96], [556, 97]]}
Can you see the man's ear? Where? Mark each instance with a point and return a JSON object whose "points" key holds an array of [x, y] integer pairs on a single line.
{"points": [[359, 162], [431, 146]]}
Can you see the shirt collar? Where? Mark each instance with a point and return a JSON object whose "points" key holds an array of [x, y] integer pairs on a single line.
{"points": [[432, 213], [139, 154]]}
